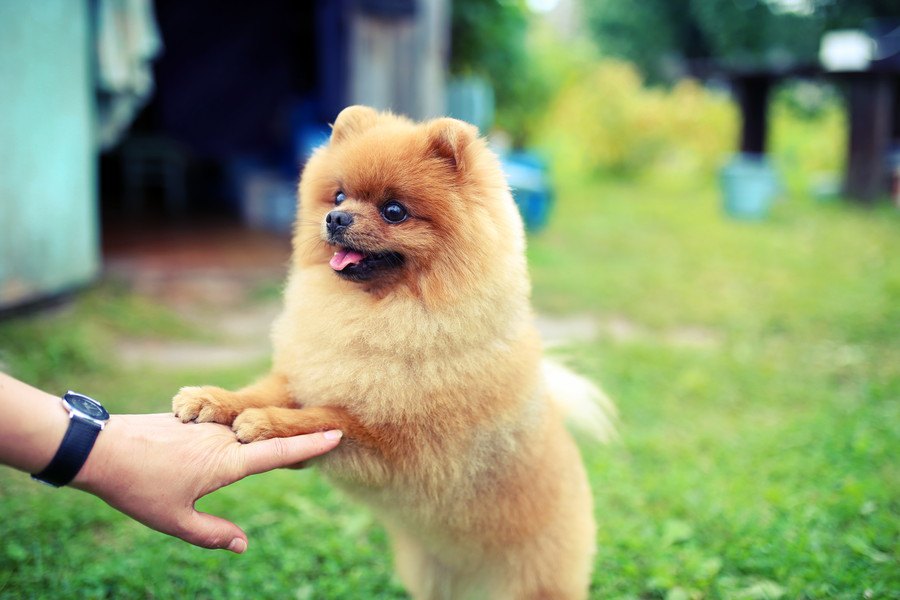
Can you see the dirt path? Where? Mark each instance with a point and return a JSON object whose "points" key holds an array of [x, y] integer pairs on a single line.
{"points": [[225, 280], [241, 327]]}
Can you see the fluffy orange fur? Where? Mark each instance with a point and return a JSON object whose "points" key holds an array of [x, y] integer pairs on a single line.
{"points": [[431, 367]]}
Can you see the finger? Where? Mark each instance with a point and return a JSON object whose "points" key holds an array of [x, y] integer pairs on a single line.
{"points": [[266, 455], [210, 531]]}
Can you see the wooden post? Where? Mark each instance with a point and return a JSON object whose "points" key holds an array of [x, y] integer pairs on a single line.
{"points": [[753, 95], [871, 109], [399, 63]]}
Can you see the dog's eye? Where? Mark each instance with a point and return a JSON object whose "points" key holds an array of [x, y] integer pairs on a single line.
{"points": [[394, 212], [339, 197]]}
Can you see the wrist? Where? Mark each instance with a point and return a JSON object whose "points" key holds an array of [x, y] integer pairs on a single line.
{"points": [[87, 418], [93, 474], [49, 430]]}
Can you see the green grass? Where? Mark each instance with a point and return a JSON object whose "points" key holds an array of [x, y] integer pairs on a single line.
{"points": [[306, 540], [763, 463], [760, 463]]}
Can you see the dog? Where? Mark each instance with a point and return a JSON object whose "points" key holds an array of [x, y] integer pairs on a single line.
{"points": [[407, 325]]}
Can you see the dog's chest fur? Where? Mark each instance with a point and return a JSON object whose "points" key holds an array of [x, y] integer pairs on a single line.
{"points": [[393, 359], [462, 387]]}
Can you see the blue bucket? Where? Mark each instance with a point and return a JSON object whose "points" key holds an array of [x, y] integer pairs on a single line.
{"points": [[749, 186], [530, 186]]}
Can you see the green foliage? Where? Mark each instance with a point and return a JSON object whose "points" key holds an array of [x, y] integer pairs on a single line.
{"points": [[607, 121], [490, 38], [753, 32], [660, 35], [649, 34], [842, 15], [807, 135], [486, 33]]}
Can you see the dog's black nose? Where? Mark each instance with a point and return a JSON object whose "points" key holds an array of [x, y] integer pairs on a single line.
{"points": [[337, 221]]}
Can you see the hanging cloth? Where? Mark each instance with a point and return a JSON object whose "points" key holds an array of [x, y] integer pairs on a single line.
{"points": [[127, 41]]}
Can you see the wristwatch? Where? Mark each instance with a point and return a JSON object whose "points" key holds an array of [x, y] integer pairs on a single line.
{"points": [[87, 418]]}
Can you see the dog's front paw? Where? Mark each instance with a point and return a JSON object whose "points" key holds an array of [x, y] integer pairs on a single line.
{"points": [[206, 404], [252, 425]]}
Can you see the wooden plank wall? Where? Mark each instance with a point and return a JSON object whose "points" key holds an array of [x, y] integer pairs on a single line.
{"points": [[872, 106], [400, 64]]}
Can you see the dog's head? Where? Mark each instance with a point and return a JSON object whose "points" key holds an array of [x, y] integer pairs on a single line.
{"points": [[388, 202]]}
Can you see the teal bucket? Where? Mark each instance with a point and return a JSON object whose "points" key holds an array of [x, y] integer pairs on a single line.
{"points": [[749, 186]]}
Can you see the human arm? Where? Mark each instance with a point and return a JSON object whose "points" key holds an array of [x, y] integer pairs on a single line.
{"points": [[151, 467]]}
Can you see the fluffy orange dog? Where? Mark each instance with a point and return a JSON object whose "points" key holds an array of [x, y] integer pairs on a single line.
{"points": [[407, 325]]}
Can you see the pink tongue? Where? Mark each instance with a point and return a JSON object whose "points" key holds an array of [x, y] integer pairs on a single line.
{"points": [[343, 258]]}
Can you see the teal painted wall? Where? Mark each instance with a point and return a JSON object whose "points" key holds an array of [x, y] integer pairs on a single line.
{"points": [[49, 238]]}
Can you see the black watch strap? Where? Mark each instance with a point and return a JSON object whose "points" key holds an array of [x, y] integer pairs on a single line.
{"points": [[72, 454]]}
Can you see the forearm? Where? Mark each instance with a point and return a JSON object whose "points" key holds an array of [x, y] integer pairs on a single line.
{"points": [[151, 467], [32, 424]]}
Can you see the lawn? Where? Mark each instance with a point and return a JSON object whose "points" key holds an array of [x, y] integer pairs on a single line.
{"points": [[756, 367]]}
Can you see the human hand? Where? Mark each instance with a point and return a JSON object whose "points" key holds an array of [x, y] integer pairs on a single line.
{"points": [[154, 468]]}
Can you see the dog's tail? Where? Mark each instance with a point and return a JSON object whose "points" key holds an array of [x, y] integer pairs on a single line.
{"points": [[586, 407]]}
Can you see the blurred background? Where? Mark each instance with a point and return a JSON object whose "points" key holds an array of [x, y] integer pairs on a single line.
{"points": [[712, 194], [126, 115]]}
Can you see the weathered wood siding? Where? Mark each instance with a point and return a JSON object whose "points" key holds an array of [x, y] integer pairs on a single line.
{"points": [[400, 64]]}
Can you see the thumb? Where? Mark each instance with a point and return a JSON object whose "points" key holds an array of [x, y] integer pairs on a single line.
{"points": [[210, 531], [266, 455]]}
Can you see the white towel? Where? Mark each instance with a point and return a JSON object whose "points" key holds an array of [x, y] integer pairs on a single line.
{"points": [[128, 41]]}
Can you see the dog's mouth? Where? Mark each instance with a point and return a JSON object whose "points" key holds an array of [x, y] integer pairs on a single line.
{"points": [[357, 265]]}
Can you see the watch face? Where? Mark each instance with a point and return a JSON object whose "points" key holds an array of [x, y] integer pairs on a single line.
{"points": [[88, 406]]}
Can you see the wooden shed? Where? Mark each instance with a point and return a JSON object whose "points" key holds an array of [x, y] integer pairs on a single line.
{"points": [[235, 84]]}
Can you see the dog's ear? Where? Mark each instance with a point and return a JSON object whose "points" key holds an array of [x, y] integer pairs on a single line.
{"points": [[353, 120], [448, 139]]}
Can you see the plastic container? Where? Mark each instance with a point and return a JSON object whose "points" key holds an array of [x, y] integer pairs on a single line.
{"points": [[749, 186], [528, 180]]}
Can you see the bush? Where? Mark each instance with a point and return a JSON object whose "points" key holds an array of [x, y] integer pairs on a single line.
{"points": [[807, 135], [606, 121]]}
